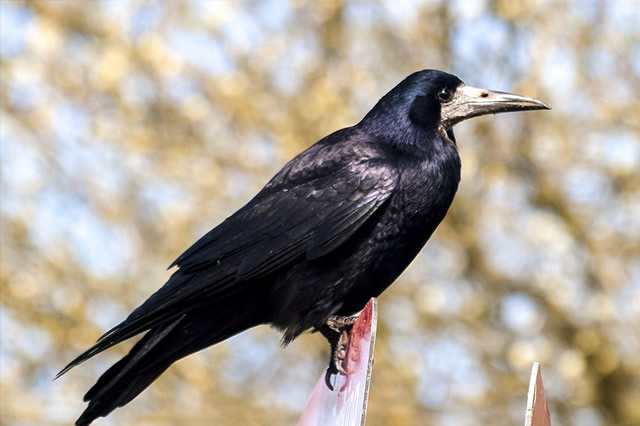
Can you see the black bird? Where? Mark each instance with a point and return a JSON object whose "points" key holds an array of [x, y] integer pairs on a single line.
{"points": [[335, 227]]}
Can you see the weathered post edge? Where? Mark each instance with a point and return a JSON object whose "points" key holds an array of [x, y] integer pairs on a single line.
{"points": [[537, 413], [346, 405]]}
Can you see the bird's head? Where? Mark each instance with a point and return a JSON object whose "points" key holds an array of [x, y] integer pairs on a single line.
{"points": [[432, 99]]}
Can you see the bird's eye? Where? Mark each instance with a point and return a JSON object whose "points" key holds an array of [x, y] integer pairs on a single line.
{"points": [[445, 94]]}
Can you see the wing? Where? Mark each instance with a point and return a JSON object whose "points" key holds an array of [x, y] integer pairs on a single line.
{"points": [[311, 207], [308, 209]]}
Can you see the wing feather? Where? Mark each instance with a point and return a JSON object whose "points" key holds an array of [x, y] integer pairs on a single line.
{"points": [[307, 210]]}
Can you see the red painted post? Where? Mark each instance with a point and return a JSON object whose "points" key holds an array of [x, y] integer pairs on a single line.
{"points": [[537, 413], [346, 405]]}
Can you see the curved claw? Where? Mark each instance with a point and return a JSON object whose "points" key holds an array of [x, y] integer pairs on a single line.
{"points": [[327, 378], [336, 330], [338, 354]]}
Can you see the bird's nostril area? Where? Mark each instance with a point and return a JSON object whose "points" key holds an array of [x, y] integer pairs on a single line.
{"points": [[484, 94]]}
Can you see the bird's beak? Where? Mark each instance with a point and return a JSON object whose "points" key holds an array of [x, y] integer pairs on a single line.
{"points": [[469, 102]]}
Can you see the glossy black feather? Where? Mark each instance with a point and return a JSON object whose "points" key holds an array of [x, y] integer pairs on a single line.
{"points": [[335, 227]]}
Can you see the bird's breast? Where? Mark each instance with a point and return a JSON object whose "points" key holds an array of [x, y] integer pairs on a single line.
{"points": [[426, 192], [412, 214]]}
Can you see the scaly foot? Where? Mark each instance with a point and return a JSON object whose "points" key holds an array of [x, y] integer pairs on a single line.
{"points": [[336, 330]]}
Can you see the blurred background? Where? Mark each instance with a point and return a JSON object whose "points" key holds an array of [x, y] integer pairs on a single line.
{"points": [[130, 128]]}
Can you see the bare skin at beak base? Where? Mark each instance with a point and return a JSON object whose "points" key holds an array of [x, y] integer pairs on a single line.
{"points": [[469, 102]]}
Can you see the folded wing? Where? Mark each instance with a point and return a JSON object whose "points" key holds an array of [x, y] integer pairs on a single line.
{"points": [[311, 207]]}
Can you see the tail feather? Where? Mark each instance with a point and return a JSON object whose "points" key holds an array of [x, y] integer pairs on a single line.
{"points": [[125, 380], [153, 354], [161, 308], [119, 369]]}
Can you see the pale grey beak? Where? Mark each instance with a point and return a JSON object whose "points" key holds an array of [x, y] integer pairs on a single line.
{"points": [[469, 102]]}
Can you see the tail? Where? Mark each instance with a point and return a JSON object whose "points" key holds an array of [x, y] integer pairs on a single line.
{"points": [[127, 378], [153, 354]]}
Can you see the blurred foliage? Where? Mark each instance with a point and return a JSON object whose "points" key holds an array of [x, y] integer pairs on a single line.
{"points": [[129, 128]]}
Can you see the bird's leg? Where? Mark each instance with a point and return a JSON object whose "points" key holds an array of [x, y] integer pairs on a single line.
{"points": [[336, 330]]}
